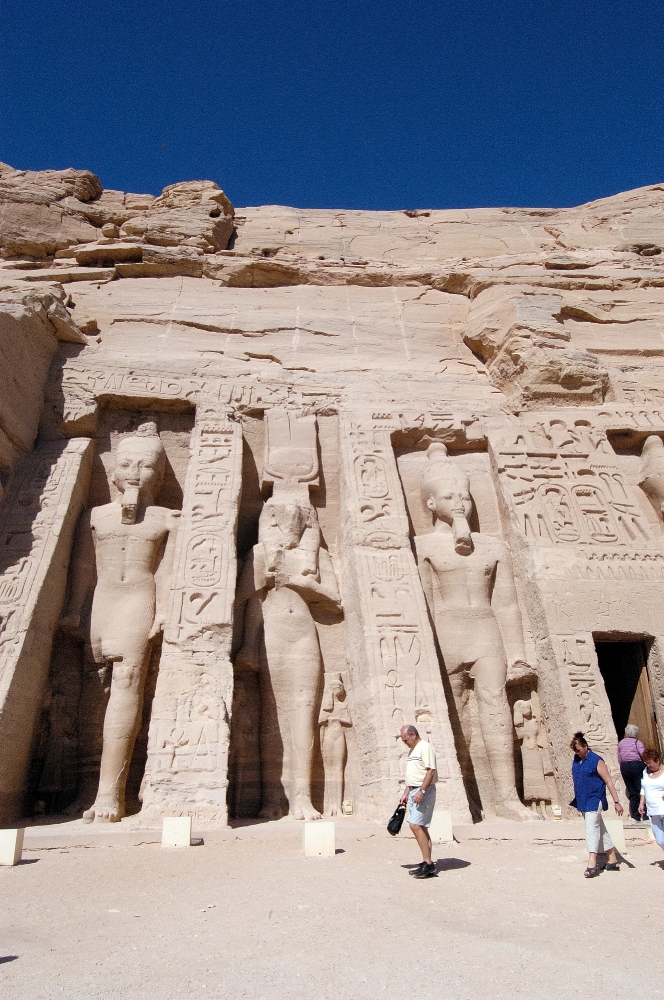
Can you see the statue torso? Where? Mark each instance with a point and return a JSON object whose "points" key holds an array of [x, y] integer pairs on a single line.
{"points": [[463, 581], [126, 553]]}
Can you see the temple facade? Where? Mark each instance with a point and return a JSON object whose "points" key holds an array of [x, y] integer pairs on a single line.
{"points": [[276, 482]]}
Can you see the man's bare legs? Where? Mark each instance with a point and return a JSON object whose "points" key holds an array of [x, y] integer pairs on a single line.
{"points": [[424, 840]]}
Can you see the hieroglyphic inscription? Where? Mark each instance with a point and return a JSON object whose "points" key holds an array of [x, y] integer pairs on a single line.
{"points": [[397, 663], [37, 521], [188, 743], [564, 488], [587, 703]]}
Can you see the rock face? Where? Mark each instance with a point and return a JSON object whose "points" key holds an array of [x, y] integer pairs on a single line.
{"points": [[410, 467]]}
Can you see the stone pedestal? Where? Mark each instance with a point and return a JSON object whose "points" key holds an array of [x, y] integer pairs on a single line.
{"points": [[319, 840], [11, 846], [176, 831]]}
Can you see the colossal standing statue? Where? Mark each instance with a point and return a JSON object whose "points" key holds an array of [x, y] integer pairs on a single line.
{"points": [[129, 542], [287, 572], [469, 585], [333, 720]]}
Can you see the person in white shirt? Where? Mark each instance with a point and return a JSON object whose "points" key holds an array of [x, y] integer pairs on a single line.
{"points": [[420, 794], [652, 793]]}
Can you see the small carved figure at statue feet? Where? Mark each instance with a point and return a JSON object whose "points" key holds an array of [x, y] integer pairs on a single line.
{"points": [[303, 809], [107, 809]]}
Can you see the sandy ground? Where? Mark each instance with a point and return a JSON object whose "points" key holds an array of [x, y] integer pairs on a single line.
{"points": [[245, 915]]}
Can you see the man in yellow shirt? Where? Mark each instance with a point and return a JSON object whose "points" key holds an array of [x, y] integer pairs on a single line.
{"points": [[420, 794]]}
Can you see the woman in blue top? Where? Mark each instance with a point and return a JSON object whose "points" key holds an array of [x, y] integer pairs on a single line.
{"points": [[591, 778]]}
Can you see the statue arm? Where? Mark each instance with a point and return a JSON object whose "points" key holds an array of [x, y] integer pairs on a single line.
{"points": [[249, 654], [506, 608], [252, 578], [82, 573], [249, 604], [324, 591], [424, 569], [163, 575]]}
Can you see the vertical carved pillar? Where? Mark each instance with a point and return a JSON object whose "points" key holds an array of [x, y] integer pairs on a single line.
{"points": [[37, 521], [393, 662], [186, 771], [586, 703]]}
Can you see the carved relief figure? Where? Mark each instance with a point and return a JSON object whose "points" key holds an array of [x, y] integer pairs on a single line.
{"points": [[469, 585], [129, 542], [529, 730], [287, 573], [333, 720]]}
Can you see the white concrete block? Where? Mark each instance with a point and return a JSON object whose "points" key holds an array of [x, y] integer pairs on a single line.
{"points": [[176, 831], [11, 846], [319, 839], [440, 830], [616, 831]]}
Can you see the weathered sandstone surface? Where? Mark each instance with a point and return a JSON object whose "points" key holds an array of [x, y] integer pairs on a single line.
{"points": [[291, 377]]}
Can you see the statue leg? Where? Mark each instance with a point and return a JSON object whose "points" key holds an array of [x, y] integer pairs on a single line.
{"points": [[274, 744], [95, 688], [121, 726], [490, 674], [302, 735]]}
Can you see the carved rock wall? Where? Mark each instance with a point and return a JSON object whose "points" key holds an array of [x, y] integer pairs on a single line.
{"points": [[527, 341]]}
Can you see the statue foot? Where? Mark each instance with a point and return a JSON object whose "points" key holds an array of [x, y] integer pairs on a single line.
{"points": [[513, 808], [270, 812], [107, 809], [303, 809]]}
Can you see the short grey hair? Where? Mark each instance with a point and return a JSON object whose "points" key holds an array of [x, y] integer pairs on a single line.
{"points": [[411, 730], [631, 732]]}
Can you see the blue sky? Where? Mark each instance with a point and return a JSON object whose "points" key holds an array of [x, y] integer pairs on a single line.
{"points": [[340, 104]]}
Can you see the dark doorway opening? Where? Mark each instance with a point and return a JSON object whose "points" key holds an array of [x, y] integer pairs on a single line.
{"points": [[624, 669]]}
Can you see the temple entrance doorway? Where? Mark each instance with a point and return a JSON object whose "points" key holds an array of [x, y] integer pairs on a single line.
{"points": [[624, 669]]}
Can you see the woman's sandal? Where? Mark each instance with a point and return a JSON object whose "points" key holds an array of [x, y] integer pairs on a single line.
{"points": [[592, 872], [612, 867]]}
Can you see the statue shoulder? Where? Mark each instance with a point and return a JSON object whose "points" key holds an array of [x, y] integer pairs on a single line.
{"points": [[424, 544], [490, 543], [99, 514], [165, 514]]}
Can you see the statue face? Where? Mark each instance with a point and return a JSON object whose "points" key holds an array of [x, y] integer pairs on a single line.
{"points": [[282, 525], [139, 463], [450, 500]]}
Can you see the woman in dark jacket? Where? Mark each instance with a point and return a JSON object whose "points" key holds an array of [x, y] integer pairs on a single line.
{"points": [[591, 779]]}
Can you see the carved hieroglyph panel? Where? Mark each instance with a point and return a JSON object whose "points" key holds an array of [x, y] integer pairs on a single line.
{"points": [[588, 708], [563, 486], [37, 521], [186, 771], [393, 660]]}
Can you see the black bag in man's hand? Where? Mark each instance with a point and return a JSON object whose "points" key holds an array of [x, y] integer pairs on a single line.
{"points": [[396, 822]]}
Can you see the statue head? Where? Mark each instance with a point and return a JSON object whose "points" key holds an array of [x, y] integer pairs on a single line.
{"points": [[283, 526], [140, 465], [333, 688], [446, 493], [522, 710]]}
